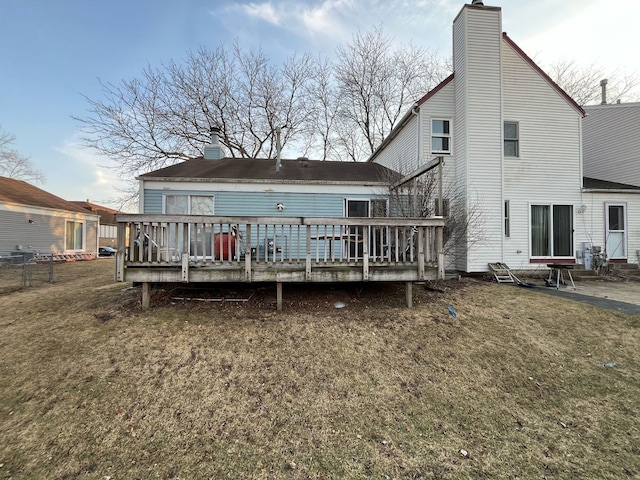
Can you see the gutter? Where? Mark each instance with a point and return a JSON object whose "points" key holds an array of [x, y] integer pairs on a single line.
{"points": [[262, 181], [611, 190]]}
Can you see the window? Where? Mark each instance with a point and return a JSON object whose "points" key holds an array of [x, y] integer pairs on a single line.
{"points": [[74, 236], [378, 207], [507, 220], [440, 136], [511, 139], [551, 230], [188, 204]]}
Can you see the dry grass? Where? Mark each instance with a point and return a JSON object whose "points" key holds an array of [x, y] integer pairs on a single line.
{"points": [[94, 388]]}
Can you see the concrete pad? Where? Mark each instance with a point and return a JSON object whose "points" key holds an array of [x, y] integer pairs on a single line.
{"points": [[617, 295]]}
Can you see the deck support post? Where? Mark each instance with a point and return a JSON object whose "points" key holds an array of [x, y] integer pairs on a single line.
{"points": [[408, 292], [146, 295], [279, 296]]}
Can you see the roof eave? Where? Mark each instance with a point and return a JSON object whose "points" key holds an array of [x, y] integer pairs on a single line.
{"points": [[264, 181], [407, 116]]}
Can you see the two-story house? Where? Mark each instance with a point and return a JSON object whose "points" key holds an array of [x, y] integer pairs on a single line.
{"points": [[511, 140]]}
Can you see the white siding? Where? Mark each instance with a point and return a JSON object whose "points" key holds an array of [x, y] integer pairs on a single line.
{"points": [[547, 170], [478, 127], [401, 154], [590, 225], [612, 143]]}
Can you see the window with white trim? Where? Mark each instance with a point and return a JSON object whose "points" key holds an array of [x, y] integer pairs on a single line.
{"points": [[188, 204], [440, 136], [507, 218], [551, 230], [511, 139], [74, 235]]}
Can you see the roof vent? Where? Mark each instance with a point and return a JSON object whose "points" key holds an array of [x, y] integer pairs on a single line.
{"points": [[213, 151], [477, 2]]}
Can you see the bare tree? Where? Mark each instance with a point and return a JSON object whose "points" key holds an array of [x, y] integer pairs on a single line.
{"points": [[582, 83], [420, 197], [166, 115], [15, 165], [378, 82]]}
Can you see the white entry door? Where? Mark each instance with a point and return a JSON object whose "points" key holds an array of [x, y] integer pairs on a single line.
{"points": [[616, 236]]}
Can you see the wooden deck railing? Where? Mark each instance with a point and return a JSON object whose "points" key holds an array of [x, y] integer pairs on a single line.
{"points": [[191, 248]]}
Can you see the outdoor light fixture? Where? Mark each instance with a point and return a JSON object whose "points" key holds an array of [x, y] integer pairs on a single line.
{"points": [[280, 206], [31, 221]]}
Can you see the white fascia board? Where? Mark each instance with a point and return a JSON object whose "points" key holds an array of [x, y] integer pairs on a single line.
{"points": [[350, 188], [18, 207]]}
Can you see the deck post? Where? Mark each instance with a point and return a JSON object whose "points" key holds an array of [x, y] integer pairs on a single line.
{"points": [[365, 253], [146, 295], [408, 292], [185, 267], [247, 254], [121, 253], [279, 296], [307, 272], [440, 251]]}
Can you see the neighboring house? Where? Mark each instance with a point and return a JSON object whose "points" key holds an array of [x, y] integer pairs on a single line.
{"points": [[213, 185], [511, 140], [33, 220], [108, 232], [611, 151], [611, 138]]}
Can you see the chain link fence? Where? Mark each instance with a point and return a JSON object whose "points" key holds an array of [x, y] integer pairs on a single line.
{"points": [[24, 270]]}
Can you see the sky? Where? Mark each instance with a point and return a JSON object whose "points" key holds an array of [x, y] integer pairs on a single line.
{"points": [[54, 54]]}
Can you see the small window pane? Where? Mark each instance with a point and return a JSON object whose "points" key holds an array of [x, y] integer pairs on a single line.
{"points": [[616, 217], [440, 127], [510, 131], [510, 148], [507, 222], [177, 204], [201, 205], [440, 144]]}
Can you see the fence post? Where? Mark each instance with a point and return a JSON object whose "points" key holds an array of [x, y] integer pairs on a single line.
{"points": [[51, 268]]}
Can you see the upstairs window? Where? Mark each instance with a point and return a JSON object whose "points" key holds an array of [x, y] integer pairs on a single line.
{"points": [[440, 136], [511, 139]]}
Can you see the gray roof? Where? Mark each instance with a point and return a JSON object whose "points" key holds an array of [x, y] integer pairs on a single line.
{"points": [[23, 193], [264, 170], [596, 184]]}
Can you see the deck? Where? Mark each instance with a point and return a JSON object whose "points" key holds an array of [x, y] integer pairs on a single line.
{"points": [[189, 248]]}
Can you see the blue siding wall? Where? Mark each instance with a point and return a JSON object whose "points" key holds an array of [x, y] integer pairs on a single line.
{"points": [[263, 203]]}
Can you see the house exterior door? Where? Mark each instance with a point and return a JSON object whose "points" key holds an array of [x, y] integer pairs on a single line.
{"points": [[616, 237]]}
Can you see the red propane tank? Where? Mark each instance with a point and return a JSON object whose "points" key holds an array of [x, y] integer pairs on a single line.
{"points": [[225, 246]]}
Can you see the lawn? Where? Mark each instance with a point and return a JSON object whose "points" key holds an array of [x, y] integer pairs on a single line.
{"points": [[514, 386]]}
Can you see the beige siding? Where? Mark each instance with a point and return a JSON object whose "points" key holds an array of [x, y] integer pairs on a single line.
{"points": [[46, 231], [612, 143]]}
